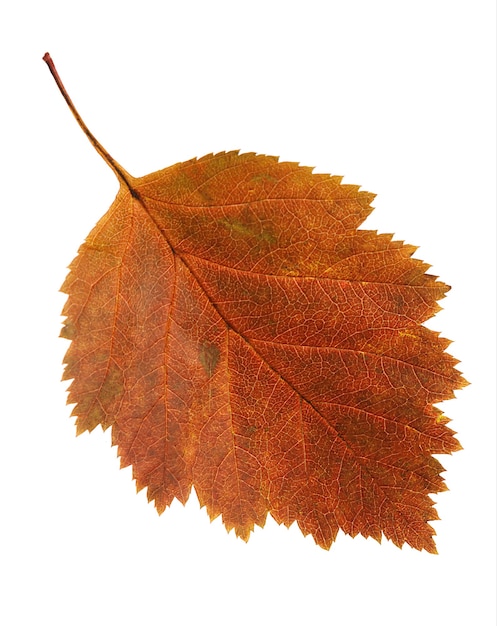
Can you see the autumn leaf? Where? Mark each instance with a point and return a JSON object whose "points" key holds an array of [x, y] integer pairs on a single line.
{"points": [[240, 335]]}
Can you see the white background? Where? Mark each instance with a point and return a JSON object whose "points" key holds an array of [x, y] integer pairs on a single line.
{"points": [[397, 96]]}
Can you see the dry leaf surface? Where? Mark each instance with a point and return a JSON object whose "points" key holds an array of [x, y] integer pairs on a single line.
{"points": [[240, 334]]}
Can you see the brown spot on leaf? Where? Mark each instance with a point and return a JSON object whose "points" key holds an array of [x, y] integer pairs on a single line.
{"points": [[209, 357]]}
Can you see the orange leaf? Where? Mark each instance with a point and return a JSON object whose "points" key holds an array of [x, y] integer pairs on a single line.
{"points": [[240, 335]]}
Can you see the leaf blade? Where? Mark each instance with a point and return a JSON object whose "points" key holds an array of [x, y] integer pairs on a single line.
{"points": [[288, 372]]}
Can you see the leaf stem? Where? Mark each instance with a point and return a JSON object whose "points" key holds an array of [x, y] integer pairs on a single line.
{"points": [[119, 171]]}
